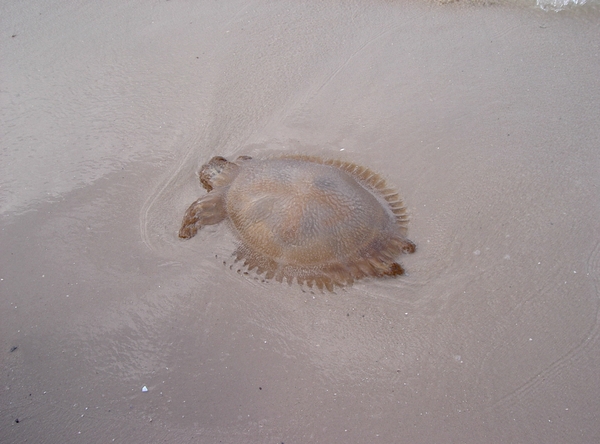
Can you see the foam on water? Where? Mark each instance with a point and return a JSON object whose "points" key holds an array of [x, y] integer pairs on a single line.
{"points": [[558, 5]]}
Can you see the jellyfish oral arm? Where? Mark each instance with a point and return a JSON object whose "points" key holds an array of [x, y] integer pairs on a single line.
{"points": [[208, 210]]}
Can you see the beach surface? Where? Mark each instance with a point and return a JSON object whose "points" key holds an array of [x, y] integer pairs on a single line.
{"points": [[485, 116]]}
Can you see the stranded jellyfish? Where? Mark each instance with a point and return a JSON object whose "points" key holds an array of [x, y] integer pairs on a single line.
{"points": [[319, 222]]}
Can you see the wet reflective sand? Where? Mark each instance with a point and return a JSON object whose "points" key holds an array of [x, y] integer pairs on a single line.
{"points": [[485, 118]]}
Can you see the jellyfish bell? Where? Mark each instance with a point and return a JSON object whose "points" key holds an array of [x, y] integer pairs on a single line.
{"points": [[299, 218]]}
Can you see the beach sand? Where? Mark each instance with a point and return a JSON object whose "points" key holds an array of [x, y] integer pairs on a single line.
{"points": [[485, 116]]}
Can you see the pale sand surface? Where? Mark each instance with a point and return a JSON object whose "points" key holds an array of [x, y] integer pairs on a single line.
{"points": [[486, 118]]}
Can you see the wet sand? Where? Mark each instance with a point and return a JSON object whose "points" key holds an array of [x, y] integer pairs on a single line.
{"points": [[485, 117]]}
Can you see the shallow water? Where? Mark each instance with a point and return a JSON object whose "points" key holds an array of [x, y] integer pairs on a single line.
{"points": [[485, 117]]}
